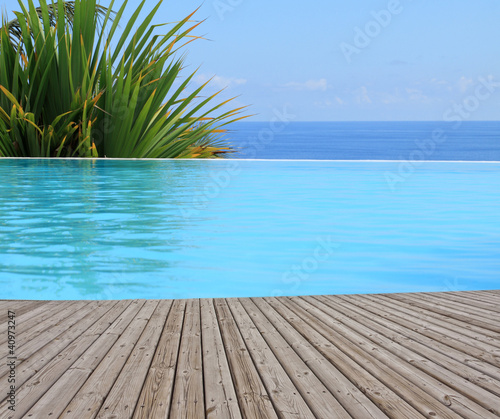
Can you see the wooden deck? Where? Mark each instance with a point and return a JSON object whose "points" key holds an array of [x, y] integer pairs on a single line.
{"points": [[433, 355]]}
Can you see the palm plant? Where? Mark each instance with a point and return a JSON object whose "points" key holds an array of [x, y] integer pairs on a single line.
{"points": [[65, 92], [14, 28]]}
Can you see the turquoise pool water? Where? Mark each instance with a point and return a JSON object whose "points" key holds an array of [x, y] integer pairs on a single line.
{"points": [[113, 229]]}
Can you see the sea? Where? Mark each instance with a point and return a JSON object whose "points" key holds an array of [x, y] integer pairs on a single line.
{"points": [[412, 141]]}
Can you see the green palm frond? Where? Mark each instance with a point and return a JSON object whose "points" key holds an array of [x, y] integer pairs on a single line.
{"points": [[14, 28], [73, 96]]}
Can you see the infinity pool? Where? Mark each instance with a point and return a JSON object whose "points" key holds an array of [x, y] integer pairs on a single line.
{"points": [[113, 229]]}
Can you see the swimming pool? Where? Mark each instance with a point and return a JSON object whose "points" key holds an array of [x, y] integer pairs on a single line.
{"points": [[114, 229]]}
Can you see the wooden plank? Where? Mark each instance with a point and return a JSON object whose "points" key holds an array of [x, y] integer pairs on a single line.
{"points": [[317, 396], [9, 304], [474, 297], [483, 302], [122, 399], [19, 307], [433, 317], [425, 337], [37, 308], [375, 360], [220, 397], [473, 300], [481, 296], [39, 384], [491, 294], [358, 372], [73, 378], [252, 396], [285, 397], [118, 342], [410, 299], [355, 402], [29, 342], [440, 397], [444, 323], [458, 306], [70, 312], [187, 399], [411, 341], [366, 356], [156, 395], [33, 317], [50, 329], [44, 355], [428, 374], [480, 350]]}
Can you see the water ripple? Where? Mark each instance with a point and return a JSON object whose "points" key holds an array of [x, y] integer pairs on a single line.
{"points": [[180, 229]]}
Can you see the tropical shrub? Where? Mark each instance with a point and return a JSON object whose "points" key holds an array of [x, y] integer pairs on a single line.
{"points": [[65, 91]]}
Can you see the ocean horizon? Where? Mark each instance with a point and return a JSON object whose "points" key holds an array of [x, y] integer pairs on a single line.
{"points": [[368, 140]]}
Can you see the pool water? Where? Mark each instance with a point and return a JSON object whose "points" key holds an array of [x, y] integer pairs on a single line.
{"points": [[115, 229]]}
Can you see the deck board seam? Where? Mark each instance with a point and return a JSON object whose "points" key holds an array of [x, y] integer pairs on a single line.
{"points": [[442, 347], [340, 374], [200, 321], [158, 307], [421, 351], [34, 324], [103, 332], [248, 351], [69, 342], [402, 313], [45, 370], [217, 317], [349, 362], [452, 322], [23, 361], [452, 307], [281, 363], [77, 359], [131, 352], [154, 352], [480, 392], [404, 334], [415, 391], [451, 334], [297, 403], [226, 339], [174, 378], [118, 336], [445, 312]]}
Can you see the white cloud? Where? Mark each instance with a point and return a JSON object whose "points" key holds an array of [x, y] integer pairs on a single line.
{"points": [[439, 82], [389, 98], [417, 95], [320, 84], [323, 103], [218, 81], [464, 83], [361, 95], [438, 85]]}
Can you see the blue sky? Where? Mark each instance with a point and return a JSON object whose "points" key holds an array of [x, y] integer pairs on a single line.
{"points": [[345, 61]]}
